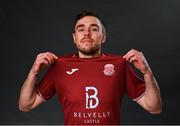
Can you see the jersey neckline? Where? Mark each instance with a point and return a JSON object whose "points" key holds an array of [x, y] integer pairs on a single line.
{"points": [[75, 55]]}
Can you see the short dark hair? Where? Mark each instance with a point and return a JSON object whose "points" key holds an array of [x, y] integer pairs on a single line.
{"points": [[88, 13]]}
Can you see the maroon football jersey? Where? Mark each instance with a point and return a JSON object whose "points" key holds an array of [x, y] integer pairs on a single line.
{"points": [[91, 89]]}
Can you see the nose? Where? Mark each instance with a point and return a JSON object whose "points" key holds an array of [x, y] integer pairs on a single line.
{"points": [[87, 32]]}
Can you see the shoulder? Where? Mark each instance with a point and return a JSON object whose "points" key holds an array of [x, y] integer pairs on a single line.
{"points": [[60, 59], [65, 56], [117, 58], [114, 56]]}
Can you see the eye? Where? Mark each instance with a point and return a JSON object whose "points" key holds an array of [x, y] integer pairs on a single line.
{"points": [[80, 30], [94, 29]]}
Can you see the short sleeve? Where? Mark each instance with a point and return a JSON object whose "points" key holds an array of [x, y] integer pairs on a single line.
{"points": [[46, 88], [134, 85]]}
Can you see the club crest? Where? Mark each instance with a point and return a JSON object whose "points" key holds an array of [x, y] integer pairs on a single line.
{"points": [[109, 69]]}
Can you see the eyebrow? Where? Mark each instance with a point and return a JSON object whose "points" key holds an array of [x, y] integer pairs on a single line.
{"points": [[82, 25], [95, 25]]}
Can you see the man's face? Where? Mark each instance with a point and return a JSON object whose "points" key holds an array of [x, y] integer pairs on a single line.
{"points": [[88, 35]]}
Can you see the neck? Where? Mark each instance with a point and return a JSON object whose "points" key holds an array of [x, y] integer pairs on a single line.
{"points": [[82, 55]]}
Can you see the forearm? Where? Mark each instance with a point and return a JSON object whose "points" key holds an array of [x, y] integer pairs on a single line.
{"points": [[152, 97], [28, 92]]}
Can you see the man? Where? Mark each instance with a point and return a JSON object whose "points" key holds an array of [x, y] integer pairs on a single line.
{"points": [[90, 84]]}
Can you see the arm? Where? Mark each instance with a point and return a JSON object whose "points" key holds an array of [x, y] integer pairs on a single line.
{"points": [[29, 98], [151, 101]]}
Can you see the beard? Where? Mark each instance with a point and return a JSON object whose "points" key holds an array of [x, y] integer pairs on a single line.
{"points": [[93, 49]]}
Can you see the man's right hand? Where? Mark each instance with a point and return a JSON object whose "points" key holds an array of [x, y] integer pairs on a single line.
{"points": [[42, 61], [29, 98]]}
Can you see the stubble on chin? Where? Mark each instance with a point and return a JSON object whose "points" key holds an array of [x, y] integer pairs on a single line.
{"points": [[88, 51]]}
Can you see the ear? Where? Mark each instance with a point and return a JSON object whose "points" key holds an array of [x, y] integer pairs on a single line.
{"points": [[74, 37], [104, 37]]}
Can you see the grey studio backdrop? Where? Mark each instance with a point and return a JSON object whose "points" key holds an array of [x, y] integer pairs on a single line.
{"points": [[28, 27]]}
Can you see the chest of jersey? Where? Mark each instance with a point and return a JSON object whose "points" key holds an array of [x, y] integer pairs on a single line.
{"points": [[76, 80]]}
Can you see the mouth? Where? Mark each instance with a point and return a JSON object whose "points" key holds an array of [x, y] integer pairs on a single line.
{"points": [[87, 42]]}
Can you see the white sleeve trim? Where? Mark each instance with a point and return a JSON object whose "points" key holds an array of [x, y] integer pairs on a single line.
{"points": [[135, 99], [39, 93]]}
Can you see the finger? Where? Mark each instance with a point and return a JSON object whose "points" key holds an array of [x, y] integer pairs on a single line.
{"points": [[49, 53], [125, 55], [46, 57], [40, 63], [41, 59], [52, 54], [129, 55], [51, 57], [132, 59], [44, 61], [141, 54], [129, 52], [40, 55]]}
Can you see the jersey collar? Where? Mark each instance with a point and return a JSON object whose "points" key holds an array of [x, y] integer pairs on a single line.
{"points": [[75, 55]]}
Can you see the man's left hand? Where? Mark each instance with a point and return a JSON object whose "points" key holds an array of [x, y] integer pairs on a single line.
{"points": [[138, 60]]}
